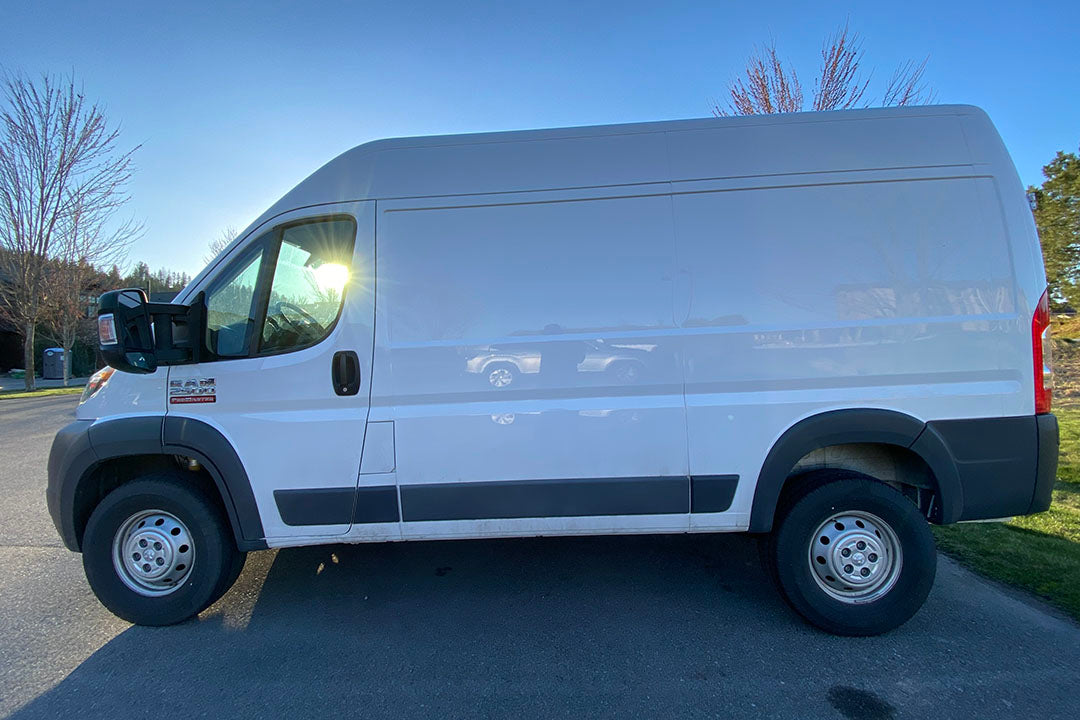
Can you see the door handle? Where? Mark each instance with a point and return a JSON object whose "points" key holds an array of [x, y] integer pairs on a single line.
{"points": [[345, 372]]}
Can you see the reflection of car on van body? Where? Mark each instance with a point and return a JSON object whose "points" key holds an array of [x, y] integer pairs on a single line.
{"points": [[502, 365], [826, 328]]}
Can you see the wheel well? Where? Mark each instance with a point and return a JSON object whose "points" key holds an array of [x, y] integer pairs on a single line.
{"points": [[893, 465], [110, 474]]}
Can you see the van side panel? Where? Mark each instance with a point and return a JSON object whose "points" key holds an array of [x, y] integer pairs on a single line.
{"points": [[893, 294], [534, 341]]}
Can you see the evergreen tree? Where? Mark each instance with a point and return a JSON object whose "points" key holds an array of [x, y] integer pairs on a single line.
{"points": [[1057, 215]]}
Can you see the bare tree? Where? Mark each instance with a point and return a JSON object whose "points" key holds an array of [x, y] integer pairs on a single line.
{"points": [[770, 87], [86, 237], [907, 86], [58, 153], [215, 246], [838, 86]]}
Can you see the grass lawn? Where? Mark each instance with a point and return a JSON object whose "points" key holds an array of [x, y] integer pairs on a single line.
{"points": [[1040, 553], [43, 392]]}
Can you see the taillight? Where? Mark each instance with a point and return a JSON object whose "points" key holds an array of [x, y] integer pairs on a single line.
{"points": [[1043, 355]]}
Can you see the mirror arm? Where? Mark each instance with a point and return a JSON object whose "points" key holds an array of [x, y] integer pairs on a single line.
{"points": [[178, 331], [137, 336]]}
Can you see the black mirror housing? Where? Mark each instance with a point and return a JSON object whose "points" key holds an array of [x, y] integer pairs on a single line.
{"points": [[124, 331], [137, 336]]}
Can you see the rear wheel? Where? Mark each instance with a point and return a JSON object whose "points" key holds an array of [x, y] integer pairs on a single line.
{"points": [[853, 556], [157, 551]]}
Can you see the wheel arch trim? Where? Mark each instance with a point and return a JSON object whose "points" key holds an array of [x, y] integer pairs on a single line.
{"points": [[82, 447], [860, 425]]}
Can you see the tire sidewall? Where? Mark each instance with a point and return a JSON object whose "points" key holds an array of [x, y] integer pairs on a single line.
{"points": [[212, 561], [796, 578]]}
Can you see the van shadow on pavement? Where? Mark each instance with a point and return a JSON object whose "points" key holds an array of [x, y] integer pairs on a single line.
{"points": [[443, 628], [574, 627]]}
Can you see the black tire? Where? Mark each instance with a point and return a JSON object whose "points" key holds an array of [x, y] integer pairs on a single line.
{"points": [[237, 567], [789, 555], [216, 565]]}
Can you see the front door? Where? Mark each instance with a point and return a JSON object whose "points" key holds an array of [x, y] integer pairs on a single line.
{"points": [[290, 321]]}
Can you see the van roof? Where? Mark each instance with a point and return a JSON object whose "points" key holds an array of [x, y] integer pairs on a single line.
{"points": [[636, 153], [643, 153]]}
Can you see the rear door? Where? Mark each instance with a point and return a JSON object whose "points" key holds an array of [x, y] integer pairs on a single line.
{"points": [[290, 319]]}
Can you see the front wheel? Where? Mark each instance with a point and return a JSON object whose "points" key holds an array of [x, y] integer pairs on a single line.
{"points": [[853, 556], [157, 551]]}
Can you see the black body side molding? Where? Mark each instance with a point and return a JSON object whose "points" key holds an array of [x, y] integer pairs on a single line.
{"points": [[545, 498], [338, 506], [712, 493], [487, 500]]}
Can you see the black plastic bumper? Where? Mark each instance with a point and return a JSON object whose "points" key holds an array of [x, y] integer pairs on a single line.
{"points": [[1006, 466], [1048, 463]]}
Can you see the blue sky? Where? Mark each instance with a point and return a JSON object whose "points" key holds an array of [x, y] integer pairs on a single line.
{"points": [[235, 103]]}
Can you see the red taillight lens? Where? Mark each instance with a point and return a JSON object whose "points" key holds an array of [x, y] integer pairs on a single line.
{"points": [[1043, 355]]}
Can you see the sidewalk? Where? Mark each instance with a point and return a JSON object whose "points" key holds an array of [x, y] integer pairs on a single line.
{"points": [[9, 383]]}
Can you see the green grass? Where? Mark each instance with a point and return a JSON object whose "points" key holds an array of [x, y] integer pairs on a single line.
{"points": [[43, 392], [1039, 553]]}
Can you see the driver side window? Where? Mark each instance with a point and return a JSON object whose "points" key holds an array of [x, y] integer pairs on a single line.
{"points": [[309, 282], [284, 293]]}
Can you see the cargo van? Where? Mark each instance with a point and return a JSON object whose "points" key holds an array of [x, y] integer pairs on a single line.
{"points": [[829, 329]]}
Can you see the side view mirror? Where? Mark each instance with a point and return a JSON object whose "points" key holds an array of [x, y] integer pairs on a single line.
{"points": [[137, 336]]}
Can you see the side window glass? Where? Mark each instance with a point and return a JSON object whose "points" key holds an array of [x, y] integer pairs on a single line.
{"points": [[310, 276], [231, 306]]}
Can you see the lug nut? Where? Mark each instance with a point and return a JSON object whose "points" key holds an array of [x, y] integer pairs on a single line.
{"points": [[157, 546], [146, 567], [848, 569], [845, 552], [864, 572], [160, 561], [861, 545], [137, 557], [872, 557], [142, 543]]}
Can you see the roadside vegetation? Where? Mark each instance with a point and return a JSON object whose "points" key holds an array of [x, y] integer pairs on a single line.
{"points": [[43, 392]]}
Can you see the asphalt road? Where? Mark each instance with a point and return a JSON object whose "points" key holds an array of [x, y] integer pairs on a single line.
{"points": [[676, 626]]}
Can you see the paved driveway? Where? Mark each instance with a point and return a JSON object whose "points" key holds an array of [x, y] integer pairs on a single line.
{"points": [[678, 626]]}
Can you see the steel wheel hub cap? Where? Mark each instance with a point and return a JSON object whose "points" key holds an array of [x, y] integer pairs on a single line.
{"points": [[153, 552], [500, 377], [855, 557]]}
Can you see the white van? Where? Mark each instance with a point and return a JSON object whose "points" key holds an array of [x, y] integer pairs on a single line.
{"points": [[828, 327]]}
